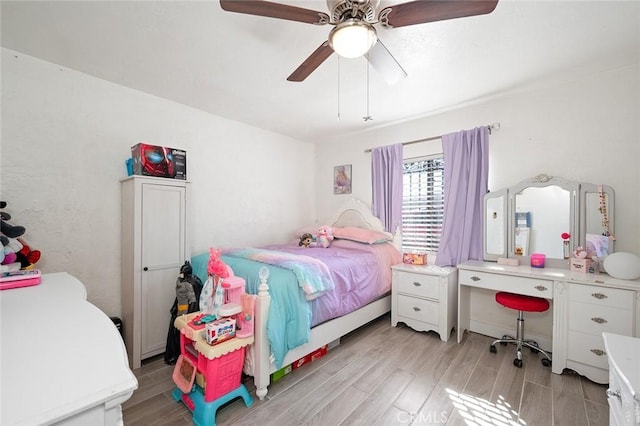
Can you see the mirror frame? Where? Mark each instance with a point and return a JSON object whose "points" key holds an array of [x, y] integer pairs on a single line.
{"points": [[485, 220], [543, 181], [578, 192]]}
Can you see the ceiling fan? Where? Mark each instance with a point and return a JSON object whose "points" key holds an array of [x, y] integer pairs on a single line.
{"points": [[354, 34]]}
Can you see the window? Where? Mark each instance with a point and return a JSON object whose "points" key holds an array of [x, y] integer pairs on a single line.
{"points": [[422, 204]]}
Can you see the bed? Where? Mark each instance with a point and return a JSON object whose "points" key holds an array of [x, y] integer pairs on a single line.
{"points": [[292, 320]]}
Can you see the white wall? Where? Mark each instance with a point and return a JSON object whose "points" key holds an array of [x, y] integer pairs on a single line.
{"points": [[584, 128], [65, 137]]}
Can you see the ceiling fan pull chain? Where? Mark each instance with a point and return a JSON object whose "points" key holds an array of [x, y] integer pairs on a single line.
{"points": [[338, 88], [368, 117]]}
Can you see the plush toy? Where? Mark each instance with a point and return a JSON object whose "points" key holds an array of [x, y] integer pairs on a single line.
{"points": [[580, 253], [306, 240], [15, 253], [325, 236]]}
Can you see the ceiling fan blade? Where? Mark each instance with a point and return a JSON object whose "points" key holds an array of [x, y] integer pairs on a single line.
{"points": [[383, 61], [275, 10], [312, 62], [423, 11]]}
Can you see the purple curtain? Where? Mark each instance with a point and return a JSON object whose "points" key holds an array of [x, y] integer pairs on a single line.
{"points": [[466, 169], [386, 178]]}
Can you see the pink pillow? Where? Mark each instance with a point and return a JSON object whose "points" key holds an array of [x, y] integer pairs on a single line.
{"points": [[361, 235]]}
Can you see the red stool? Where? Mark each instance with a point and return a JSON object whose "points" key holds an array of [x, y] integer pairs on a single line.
{"points": [[522, 304]]}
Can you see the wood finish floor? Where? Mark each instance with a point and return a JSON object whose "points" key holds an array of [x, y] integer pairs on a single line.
{"points": [[383, 375]]}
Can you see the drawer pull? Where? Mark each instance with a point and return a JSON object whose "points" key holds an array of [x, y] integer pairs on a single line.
{"points": [[417, 284], [598, 352], [599, 295], [614, 394], [540, 288], [474, 278], [599, 320], [416, 309]]}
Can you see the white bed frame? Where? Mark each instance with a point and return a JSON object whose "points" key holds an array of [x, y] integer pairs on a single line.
{"points": [[354, 213]]}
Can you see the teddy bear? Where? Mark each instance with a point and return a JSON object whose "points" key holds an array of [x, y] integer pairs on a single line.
{"points": [[325, 236]]}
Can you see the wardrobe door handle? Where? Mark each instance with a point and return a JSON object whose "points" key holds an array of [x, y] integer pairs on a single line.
{"points": [[599, 295], [145, 269], [599, 320], [614, 394]]}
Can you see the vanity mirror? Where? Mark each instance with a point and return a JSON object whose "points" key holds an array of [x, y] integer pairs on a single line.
{"points": [[531, 217]]}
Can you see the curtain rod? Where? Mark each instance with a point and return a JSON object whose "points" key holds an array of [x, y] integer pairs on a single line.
{"points": [[494, 126]]}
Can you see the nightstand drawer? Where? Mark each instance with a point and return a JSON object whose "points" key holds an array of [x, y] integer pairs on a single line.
{"points": [[418, 309], [592, 319], [417, 284], [512, 283], [602, 296]]}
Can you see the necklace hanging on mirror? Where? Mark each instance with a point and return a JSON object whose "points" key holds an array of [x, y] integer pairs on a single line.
{"points": [[603, 213]]}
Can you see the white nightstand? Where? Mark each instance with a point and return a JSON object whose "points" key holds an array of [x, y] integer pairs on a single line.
{"points": [[425, 298]]}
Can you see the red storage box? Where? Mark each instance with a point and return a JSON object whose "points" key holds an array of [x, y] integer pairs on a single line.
{"points": [[159, 161], [318, 353]]}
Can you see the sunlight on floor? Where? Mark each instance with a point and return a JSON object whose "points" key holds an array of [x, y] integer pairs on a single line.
{"points": [[480, 412]]}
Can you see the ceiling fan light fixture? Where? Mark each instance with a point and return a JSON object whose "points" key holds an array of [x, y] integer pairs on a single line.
{"points": [[352, 38]]}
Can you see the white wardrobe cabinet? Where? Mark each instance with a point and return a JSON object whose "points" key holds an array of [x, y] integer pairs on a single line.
{"points": [[154, 246]]}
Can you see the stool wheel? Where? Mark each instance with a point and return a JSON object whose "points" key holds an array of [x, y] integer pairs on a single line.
{"points": [[518, 362], [493, 349], [546, 362]]}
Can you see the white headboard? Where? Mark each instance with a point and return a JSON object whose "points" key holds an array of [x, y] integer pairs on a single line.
{"points": [[356, 213]]}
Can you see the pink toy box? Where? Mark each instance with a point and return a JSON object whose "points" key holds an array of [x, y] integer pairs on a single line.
{"points": [[220, 330]]}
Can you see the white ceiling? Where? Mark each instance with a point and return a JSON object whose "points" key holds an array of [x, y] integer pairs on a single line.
{"points": [[236, 65]]}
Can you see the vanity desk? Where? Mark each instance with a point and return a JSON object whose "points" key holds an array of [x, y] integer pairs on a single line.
{"points": [[584, 306]]}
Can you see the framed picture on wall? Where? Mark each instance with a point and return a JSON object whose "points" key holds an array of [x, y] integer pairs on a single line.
{"points": [[342, 179]]}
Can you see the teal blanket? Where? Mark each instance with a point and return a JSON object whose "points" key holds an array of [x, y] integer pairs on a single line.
{"points": [[289, 321], [313, 275]]}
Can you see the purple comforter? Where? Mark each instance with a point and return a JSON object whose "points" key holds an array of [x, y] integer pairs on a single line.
{"points": [[360, 272]]}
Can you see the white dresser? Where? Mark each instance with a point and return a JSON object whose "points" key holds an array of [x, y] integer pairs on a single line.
{"points": [[63, 360], [584, 306], [623, 395], [424, 298]]}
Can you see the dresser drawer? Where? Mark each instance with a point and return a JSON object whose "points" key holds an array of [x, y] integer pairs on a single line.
{"points": [[602, 296], [515, 284], [592, 319], [417, 284], [587, 349], [418, 309]]}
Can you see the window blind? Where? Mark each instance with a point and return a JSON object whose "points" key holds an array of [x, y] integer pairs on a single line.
{"points": [[422, 204]]}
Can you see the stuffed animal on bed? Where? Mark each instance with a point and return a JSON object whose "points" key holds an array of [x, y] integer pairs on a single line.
{"points": [[325, 236], [306, 240]]}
